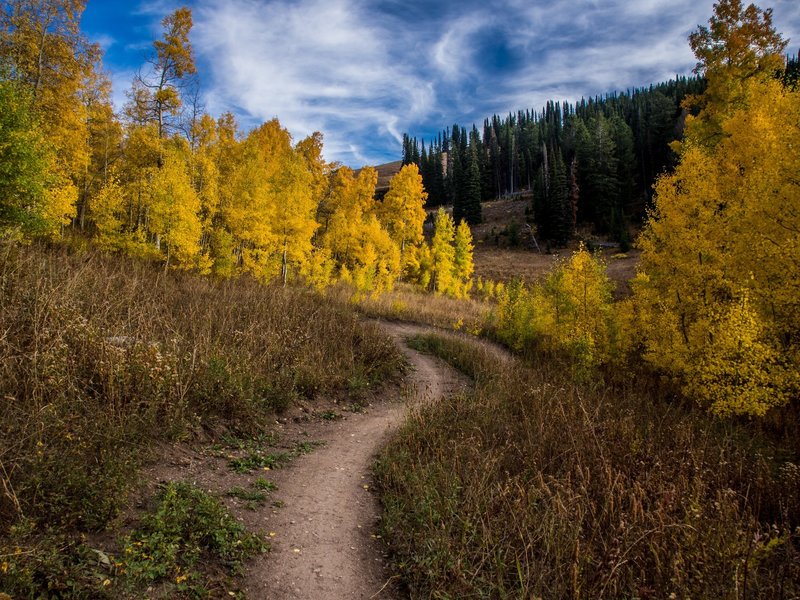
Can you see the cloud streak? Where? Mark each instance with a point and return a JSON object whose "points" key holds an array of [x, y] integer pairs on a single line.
{"points": [[365, 71]]}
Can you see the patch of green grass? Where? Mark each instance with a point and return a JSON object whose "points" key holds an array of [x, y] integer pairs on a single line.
{"points": [[258, 460], [301, 448], [65, 564], [356, 407], [265, 485], [330, 415], [187, 531], [241, 493]]}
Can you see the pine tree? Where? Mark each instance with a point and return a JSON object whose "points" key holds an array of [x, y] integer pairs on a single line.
{"points": [[559, 206], [471, 208]]}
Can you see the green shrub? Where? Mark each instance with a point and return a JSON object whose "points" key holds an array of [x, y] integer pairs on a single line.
{"points": [[187, 528]]}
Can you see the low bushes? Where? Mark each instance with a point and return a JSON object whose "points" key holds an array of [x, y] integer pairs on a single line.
{"points": [[533, 486]]}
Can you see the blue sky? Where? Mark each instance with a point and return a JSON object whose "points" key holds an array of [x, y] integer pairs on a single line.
{"points": [[363, 72]]}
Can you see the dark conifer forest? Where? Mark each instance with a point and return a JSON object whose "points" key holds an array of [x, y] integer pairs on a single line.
{"points": [[593, 161]]}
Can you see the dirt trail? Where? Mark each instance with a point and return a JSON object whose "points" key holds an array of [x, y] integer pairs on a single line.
{"points": [[324, 545]]}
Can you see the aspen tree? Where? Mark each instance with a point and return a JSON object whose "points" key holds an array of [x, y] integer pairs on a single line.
{"points": [[443, 253], [402, 212], [463, 265], [717, 295]]}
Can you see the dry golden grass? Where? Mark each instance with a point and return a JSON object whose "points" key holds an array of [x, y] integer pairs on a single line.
{"points": [[101, 358], [498, 259], [535, 487], [407, 303]]}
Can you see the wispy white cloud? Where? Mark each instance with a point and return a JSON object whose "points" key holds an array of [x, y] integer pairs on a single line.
{"points": [[104, 40], [365, 71], [453, 52], [316, 64]]}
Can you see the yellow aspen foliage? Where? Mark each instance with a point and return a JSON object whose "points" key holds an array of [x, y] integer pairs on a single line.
{"points": [[739, 373], [105, 147], [294, 215], [447, 264], [402, 212], [443, 254], [425, 266], [41, 41], [174, 218], [108, 212], [205, 172], [463, 265], [570, 312], [142, 149], [59, 206], [579, 293], [224, 249], [222, 253], [385, 268], [726, 226], [310, 150], [739, 44], [718, 295], [156, 96], [348, 205], [515, 318], [318, 271], [268, 206], [362, 248]]}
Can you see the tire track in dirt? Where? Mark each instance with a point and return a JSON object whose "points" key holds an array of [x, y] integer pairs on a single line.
{"points": [[324, 545]]}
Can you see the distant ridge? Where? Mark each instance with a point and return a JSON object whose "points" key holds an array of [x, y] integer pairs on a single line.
{"points": [[385, 173]]}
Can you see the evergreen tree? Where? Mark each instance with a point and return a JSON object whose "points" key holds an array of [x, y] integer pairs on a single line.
{"points": [[559, 210], [471, 207]]}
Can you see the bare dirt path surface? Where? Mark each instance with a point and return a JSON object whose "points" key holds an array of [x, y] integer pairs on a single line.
{"points": [[323, 532]]}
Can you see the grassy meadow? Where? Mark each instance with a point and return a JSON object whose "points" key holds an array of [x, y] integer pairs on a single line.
{"points": [[102, 358], [534, 486]]}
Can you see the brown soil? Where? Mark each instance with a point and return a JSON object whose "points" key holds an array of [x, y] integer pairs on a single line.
{"points": [[322, 519], [325, 544], [506, 264]]}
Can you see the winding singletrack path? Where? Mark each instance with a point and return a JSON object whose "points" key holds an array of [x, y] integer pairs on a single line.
{"points": [[324, 544]]}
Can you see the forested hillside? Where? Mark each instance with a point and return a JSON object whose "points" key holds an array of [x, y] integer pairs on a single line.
{"points": [[166, 181], [591, 162], [171, 283]]}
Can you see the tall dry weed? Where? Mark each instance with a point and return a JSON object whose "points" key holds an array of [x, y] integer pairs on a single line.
{"points": [[535, 487]]}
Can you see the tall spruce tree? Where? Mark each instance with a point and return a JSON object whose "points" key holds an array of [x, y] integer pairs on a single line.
{"points": [[471, 208]]}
